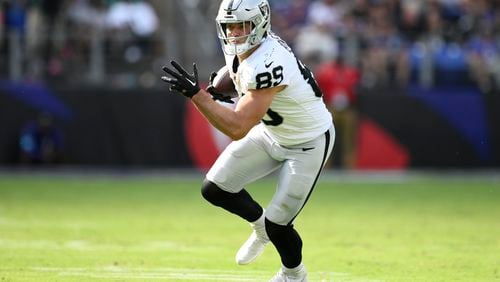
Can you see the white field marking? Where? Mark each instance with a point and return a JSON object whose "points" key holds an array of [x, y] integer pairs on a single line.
{"points": [[82, 245], [114, 272], [45, 224]]}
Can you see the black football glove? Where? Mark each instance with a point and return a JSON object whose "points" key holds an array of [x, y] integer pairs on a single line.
{"points": [[181, 81], [216, 95]]}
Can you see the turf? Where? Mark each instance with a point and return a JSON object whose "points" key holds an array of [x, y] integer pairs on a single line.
{"points": [[160, 229]]}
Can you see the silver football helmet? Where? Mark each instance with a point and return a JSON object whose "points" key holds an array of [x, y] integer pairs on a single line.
{"points": [[255, 12]]}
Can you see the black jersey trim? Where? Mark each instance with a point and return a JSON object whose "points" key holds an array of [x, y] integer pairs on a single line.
{"points": [[325, 154], [236, 64]]}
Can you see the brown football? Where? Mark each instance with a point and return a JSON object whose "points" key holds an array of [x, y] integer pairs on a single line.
{"points": [[223, 83]]}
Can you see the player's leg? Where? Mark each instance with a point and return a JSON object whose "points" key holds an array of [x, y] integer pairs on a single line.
{"points": [[298, 177], [239, 203], [289, 245], [241, 163]]}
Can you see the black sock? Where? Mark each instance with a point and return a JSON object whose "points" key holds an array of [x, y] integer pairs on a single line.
{"points": [[287, 242]]}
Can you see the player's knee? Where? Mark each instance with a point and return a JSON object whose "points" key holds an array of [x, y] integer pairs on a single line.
{"points": [[211, 192]]}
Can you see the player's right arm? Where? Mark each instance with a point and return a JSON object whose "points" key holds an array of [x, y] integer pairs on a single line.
{"points": [[236, 123]]}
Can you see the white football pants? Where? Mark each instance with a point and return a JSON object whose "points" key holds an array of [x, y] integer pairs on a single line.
{"points": [[257, 155]]}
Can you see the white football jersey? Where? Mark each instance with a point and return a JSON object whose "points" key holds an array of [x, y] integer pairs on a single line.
{"points": [[298, 113]]}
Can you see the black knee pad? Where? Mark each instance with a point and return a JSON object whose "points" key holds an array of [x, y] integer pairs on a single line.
{"points": [[287, 241]]}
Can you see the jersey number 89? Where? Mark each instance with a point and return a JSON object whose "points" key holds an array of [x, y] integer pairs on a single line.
{"points": [[270, 79]]}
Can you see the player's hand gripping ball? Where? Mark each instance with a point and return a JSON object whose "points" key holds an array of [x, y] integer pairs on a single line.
{"points": [[221, 86]]}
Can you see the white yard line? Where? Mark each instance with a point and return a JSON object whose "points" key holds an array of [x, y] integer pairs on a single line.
{"points": [[137, 273], [172, 274], [84, 246], [45, 224], [176, 274]]}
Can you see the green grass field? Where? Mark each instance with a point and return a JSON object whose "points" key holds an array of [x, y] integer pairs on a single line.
{"points": [[105, 228]]}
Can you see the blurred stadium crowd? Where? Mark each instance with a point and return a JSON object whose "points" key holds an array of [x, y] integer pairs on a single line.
{"points": [[429, 42], [120, 44], [443, 53]]}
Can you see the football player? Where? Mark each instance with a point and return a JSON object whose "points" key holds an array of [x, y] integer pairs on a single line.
{"points": [[280, 123]]}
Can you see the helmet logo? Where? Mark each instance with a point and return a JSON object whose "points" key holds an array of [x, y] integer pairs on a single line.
{"points": [[264, 9], [230, 8]]}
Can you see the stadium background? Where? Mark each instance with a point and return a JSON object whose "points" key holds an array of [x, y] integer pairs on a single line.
{"points": [[427, 97], [116, 198]]}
